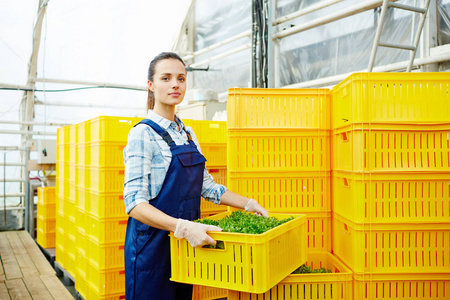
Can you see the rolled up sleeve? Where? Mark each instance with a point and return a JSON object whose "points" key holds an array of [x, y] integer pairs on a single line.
{"points": [[211, 191], [138, 155]]}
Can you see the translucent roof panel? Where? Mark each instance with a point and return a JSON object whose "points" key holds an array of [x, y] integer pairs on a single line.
{"points": [[101, 41]]}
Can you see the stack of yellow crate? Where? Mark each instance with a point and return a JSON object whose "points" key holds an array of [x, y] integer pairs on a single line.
{"points": [[279, 154], [106, 220], [90, 213], [46, 217], [62, 189], [212, 137], [69, 206], [81, 267], [391, 202]]}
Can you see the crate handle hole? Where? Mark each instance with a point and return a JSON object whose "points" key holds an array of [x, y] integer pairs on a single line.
{"points": [[220, 245], [346, 182], [344, 137]]}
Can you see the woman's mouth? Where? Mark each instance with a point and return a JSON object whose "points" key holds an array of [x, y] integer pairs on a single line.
{"points": [[175, 94]]}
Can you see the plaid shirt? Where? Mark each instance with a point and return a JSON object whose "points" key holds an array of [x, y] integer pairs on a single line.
{"points": [[147, 158]]}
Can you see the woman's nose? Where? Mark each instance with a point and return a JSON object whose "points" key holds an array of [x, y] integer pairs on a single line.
{"points": [[175, 84]]}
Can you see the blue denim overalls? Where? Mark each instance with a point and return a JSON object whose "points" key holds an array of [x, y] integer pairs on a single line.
{"points": [[147, 249]]}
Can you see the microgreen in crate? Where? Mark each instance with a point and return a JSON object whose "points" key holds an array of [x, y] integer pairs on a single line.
{"points": [[304, 269], [244, 222]]}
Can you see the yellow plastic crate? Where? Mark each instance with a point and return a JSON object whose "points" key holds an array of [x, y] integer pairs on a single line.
{"points": [[73, 145], [46, 225], [106, 205], [60, 254], [63, 153], [81, 156], [106, 282], [319, 231], [62, 173], [83, 132], [82, 284], [72, 172], [81, 239], [105, 154], [82, 262], [59, 204], [423, 286], [73, 135], [208, 131], [106, 231], [248, 262], [69, 213], [105, 179], [46, 240], [285, 192], [63, 135], [200, 292], [392, 198], [80, 176], [207, 207], [71, 257], [381, 148], [215, 154], [47, 195], [70, 228], [392, 248], [392, 98], [46, 211], [105, 257], [278, 150], [80, 197], [115, 296], [110, 129], [249, 108], [337, 285]]}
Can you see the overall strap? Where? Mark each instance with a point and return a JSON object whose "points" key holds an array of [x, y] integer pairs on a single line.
{"points": [[159, 130]]}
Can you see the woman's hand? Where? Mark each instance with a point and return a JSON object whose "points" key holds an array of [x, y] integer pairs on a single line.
{"points": [[195, 233], [253, 206]]}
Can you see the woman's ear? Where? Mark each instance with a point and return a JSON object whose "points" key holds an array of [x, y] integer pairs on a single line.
{"points": [[150, 85]]}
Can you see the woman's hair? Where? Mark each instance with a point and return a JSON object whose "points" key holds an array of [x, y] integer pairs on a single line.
{"points": [[151, 73]]}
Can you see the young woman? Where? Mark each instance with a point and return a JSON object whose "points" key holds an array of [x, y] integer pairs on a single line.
{"points": [[165, 177]]}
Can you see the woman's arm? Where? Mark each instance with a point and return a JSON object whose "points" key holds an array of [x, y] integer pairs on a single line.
{"points": [[150, 215], [232, 199]]}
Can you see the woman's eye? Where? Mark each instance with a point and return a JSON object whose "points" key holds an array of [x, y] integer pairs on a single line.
{"points": [[182, 79], [165, 78]]}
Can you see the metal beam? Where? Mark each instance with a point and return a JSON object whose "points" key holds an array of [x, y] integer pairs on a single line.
{"points": [[222, 55], [92, 83], [12, 179], [12, 165], [331, 80], [353, 10], [14, 195], [16, 86], [33, 123], [26, 132], [91, 105], [305, 11]]}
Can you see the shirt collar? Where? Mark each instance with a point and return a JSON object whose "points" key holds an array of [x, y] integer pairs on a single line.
{"points": [[163, 122]]}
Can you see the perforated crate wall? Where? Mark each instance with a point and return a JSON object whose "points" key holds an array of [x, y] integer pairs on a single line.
{"points": [[392, 98]]}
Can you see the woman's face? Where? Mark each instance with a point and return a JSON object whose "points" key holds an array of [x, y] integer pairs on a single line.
{"points": [[169, 82]]}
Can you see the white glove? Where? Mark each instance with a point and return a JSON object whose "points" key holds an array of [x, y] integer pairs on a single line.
{"points": [[253, 206], [195, 233]]}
